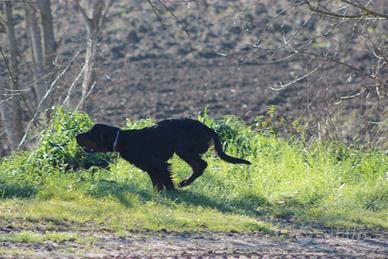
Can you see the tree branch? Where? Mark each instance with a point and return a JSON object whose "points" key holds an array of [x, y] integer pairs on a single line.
{"points": [[49, 91]]}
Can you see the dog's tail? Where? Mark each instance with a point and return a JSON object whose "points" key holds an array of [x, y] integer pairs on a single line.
{"points": [[222, 155]]}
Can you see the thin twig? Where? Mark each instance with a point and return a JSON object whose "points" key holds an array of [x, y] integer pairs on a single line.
{"points": [[365, 11], [5, 100], [180, 22], [73, 85], [333, 59], [347, 97], [14, 79], [282, 86], [156, 12], [105, 12], [86, 96], [49, 91]]}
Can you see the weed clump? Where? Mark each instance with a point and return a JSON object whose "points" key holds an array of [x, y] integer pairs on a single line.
{"points": [[58, 146]]}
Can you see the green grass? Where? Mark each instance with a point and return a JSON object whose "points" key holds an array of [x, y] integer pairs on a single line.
{"points": [[320, 182], [32, 237]]}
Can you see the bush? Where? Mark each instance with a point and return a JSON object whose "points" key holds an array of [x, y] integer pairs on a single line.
{"points": [[58, 146], [235, 136]]}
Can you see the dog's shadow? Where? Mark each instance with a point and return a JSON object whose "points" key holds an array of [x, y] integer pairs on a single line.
{"points": [[119, 191], [246, 205]]}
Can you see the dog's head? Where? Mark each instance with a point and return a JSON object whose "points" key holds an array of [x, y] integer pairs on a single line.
{"points": [[99, 138]]}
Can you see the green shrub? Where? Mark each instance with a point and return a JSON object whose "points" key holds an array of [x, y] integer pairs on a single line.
{"points": [[139, 124], [58, 146], [17, 177], [235, 136]]}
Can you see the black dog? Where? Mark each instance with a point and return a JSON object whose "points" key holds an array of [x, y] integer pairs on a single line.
{"points": [[150, 148]]}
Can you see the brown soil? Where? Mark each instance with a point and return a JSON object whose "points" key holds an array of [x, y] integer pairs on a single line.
{"points": [[150, 70], [297, 242]]}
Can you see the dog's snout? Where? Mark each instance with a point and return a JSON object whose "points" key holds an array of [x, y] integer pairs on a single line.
{"points": [[80, 138]]}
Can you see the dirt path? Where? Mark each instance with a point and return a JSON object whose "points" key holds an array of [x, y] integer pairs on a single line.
{"points": [[94, 242]]}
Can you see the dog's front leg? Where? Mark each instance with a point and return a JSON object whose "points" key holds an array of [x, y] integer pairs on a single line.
{"points": [[155, 181], [161, 177]]}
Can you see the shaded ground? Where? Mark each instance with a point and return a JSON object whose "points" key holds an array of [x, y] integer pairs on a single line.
{"points": [[96, 241]]}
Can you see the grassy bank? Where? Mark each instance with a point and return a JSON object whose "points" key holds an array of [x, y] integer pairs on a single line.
{"points": [[317, 182]]}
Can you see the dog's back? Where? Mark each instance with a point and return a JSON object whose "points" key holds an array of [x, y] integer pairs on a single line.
{"points": [[194, 137]]}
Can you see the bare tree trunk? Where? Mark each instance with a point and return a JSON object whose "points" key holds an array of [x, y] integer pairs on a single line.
{"points": [[90, 58], [48, 33], [37, 50], [11, 109], [93, 26], [49, 45]]}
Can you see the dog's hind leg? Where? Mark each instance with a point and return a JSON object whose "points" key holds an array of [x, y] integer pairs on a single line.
{"points": [[197, 164]]}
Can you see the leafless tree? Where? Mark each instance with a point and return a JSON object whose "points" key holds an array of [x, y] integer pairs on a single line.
{"points": [[93, 22], [42, 43], [35, 40], [317, 34], [10, 106], [48, 33], [331, 42], [368, 27]]}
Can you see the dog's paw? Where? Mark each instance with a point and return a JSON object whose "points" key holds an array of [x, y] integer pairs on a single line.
{"points": [[183, 184]]}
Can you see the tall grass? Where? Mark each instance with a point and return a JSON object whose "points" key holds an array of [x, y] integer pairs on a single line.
{"points": [[319, 182]]}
